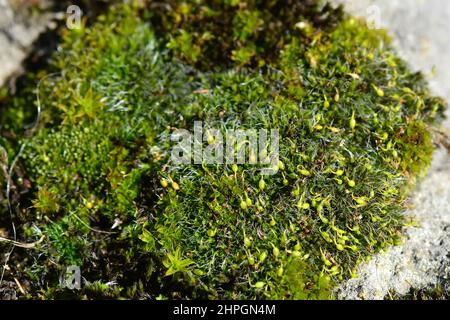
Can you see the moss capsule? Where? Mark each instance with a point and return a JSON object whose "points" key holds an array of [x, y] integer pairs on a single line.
{"points": [[262, 184], [175, 186], [262, 256], [164, 183], [353, 121], [210, 139], [280, 271], [326, 237], [305, 172], [337, 97], [379, 91], [296, 253]]}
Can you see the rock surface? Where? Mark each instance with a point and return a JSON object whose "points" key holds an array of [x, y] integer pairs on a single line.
{"points": [[21, 23], [420, 31]]}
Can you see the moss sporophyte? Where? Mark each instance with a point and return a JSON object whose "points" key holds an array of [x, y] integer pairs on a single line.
{"points": [[97, 182]]}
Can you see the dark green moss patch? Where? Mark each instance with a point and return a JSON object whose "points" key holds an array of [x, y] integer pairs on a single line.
{"points": [[354, 126]]}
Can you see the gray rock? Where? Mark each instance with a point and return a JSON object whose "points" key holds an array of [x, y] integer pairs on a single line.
{"points": [[19, 28]]}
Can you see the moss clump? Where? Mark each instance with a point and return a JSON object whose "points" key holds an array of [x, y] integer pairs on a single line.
{"points": [[97, 180]]}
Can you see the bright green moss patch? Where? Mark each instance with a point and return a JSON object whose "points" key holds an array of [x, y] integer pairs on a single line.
{"points": [[97, 180]]}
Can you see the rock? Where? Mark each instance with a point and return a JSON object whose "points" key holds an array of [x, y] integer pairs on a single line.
{"points": [[20, 26]]}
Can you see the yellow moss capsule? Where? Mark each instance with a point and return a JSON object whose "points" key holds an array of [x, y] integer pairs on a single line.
{"points": [[199, 272], [323, 219], [247, 242], [305, 172], [306, 206], [89, 205], [164, 183], [379, 91], [296, 253], [334, 269], [262, 184], [251, 260], [175, 186], [263, 256], [326, 104], [337, 97], [243, 205], [234, 167], [326, 236], [276, 251], [353, 121], [252, 159], [351, 183], [210, 139], [259, 285], [319, 208], [280, 271], [281, 165], [248, 202]]}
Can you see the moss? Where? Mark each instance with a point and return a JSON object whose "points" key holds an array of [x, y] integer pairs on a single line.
{"points": [[218, 34], [354, 125]]}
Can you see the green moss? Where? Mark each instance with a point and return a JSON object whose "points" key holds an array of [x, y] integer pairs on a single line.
{"points": [[354, 127]]}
